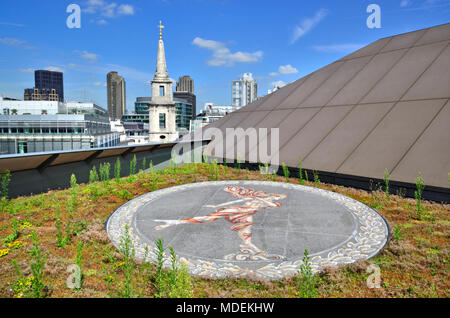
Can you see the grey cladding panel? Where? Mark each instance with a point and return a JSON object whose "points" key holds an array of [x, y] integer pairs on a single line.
{"points": [[390, 140], [435, 82], [312, 133], [430, 155], [308, 86], [361, 84], [350, 132], [404, 73]]}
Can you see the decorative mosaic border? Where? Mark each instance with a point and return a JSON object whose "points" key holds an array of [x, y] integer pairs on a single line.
{"points": [[367, 241]]}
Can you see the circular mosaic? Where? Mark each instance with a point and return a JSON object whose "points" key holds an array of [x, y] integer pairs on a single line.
{"points": [[255, 229]]}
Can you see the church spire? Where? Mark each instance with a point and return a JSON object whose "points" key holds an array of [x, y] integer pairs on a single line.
{"points": [[161, 68]]}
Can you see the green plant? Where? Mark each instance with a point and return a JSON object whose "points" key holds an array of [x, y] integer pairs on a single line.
{"points": [[306, 175], [151, 166], [133, 163], [79, 262], [127, 251], [420, 185], [176, 282], [316, 178], [285, 171], [215, 168], [73, 181], [5, 178], [38, 260], [306, 281], [386, 183], [104, 171], [159, 276], [16, 233], [397, 233], [300, 172], [117, 170], [144, 163], [93, 175]]}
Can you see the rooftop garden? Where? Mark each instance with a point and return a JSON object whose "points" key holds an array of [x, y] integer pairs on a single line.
{"points": [[55, 245]]}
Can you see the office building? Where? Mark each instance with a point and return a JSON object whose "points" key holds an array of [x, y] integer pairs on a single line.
{"points": [[116, 95], [185, 84], [244, 91], [47, 81], [37, 133]]}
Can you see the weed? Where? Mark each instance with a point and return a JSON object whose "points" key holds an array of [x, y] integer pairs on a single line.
{"points": [[117, 170], [176, 282], [104, 171], [420, 185], [93, 175], [78, 261], [133, 163], [127, 251], [16, 233], [316, 178], [144, 163], [285, 171], [306, 281], [397, 233], [300, 172], [37, 268], [73, 181], [386, 183], [5, 178]]}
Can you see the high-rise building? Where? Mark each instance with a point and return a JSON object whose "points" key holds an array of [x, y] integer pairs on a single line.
{"points": [[162, 124], [185, 84], [185, 91], [48, 85], [116, 95], [244, 91]]}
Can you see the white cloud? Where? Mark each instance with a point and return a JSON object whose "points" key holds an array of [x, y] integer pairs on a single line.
{"points": [[12, 24], [307, 25], [341, 48], [108, 10], [13, 42], [278, 84], [97, 84], [287, 69], [26, 70], [54, 69], [91, 57], [102, 22], [125, 9], [273, 74], [223, 56], [404, 3]]}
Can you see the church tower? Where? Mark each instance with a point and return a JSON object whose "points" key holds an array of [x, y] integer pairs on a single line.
{"points": [[162, 126]]}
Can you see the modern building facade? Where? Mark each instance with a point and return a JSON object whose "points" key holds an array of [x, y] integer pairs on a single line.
{"points": [[20, 107], [187, 98], [116, 95], [40, 94], [162, 124], [37, 133], [185, 84], [244, 91], [45, 80]]}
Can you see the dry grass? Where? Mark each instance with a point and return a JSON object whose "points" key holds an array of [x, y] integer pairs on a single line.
{"points": [[414, 264]]}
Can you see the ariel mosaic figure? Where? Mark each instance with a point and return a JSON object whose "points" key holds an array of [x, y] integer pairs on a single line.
{"points": [[241, 217]]}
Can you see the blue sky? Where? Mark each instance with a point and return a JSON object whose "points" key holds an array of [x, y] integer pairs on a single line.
{"points": [[213, 41]]}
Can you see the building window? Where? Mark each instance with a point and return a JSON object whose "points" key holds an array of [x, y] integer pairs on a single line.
{"points": [[162, 121], [161, 91]]}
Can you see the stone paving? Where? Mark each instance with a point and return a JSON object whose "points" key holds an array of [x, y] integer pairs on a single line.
{"points": [[254, 229]]}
